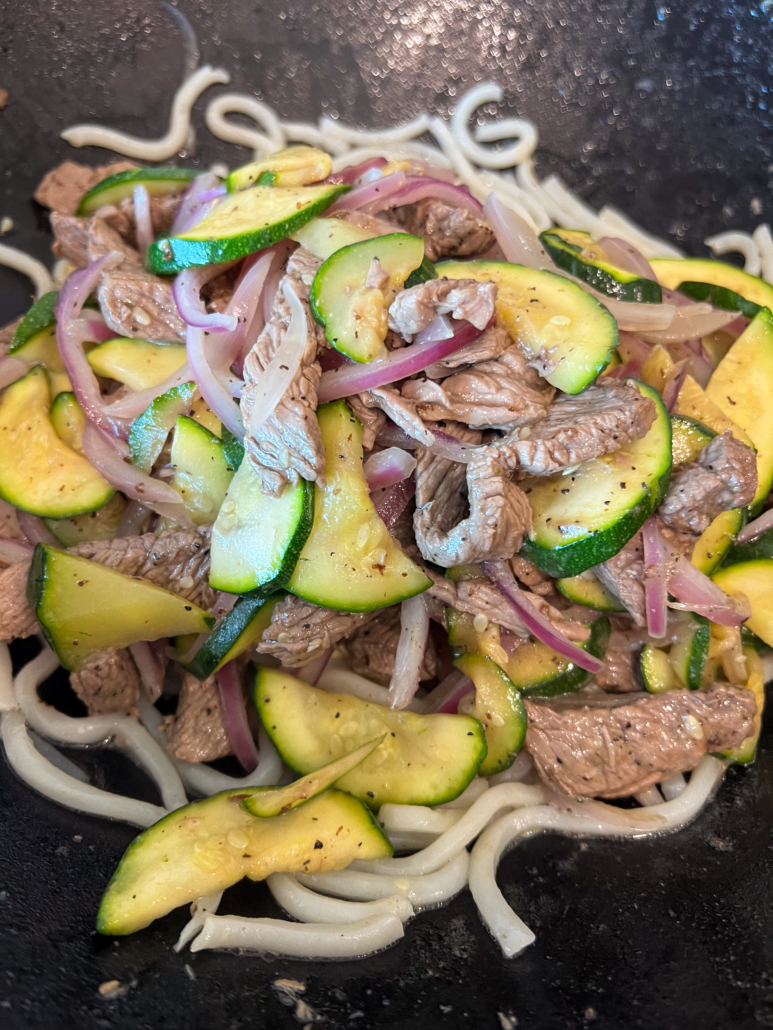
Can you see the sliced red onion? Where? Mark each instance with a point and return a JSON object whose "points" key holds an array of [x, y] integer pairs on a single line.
{"points": [[234, 712], [93, 329], [212, 389], [133, 404], [349, 175], [624, 255], [672, 387], [371, 193], [632, 348], [391, 502], [282, 252], [142, 219], [106, 457], [311, 673], [753, 530], [414, 627], [426, 170], [629, 370], [246, 307], [281, 369], [697, 593], [519, 243], [133, 519], [655, 575], [214, 194], [447, 446], [688, 322], [445, 697], [433, 189], [398, 364], [150, 667], [330, 359], [195, 203], [676, 298], [187, 297], [693, 354], [502, 577], [35, 529], [385, 468], [393, 436], [14, 551], [440, 328], [232, 383], [11, 369]]}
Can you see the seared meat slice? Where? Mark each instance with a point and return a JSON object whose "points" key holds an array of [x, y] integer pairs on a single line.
{"points": [[300, 631], [535, 579], [373, 419], [447, 231], [82, 240], [136, 303], [613, 751], [371, 649], [467, 513], [9, 523], [413, 309], [623, 575], [176, 560], [618, 675], [401, 411], [489, 345], [196, 732], [108, 682], [723, 476], [102, 240], [602, 419], [62, 188], [288, 446], [498, 394]]}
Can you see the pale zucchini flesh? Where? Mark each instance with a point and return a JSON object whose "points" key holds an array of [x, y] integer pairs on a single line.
{"points": [[587, 589], [239, 630], [579, 254], [201, 472], [753, 580], [722, 285], [138, 364], [158, 182], [293, 166], [499, 708]]}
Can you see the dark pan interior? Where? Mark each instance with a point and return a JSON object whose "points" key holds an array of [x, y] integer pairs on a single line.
{"points": [[660, 110]]}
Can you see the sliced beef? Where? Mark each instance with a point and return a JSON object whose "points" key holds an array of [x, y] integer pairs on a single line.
{"points": [[373, 419], [535, 579], [82, 240], [138, 304], [300, 631], [723, 476], [108, 682], [602, 419], [467, 513], [102, 239], [17, 620], [498, 394], [9, 523], [413, 309], [614, 751], [618, 675], [287, 447], [196, 732], [623, 575], [400, 410], [371, 648], [489, 345], [447, 231], [62, 188]]}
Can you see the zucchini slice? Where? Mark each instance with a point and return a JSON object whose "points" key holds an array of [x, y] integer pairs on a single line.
{"points": [[201, 472], [350, 561], [138, 364], [202, 413], [233, 448], [236, 632], [657, 367], [157, 181], [39, 473], [742, 387], [499, 708], [538, 671], [746, 750], [41, 316], [322, 237], [422, 274], [294, 166], [588, 590], [688, 438], [695, 404], [85, 607], [717, 540], [355, 315], [241, 224], [150, 430], [545, 311], [424, 760], [682, 663], [655, 669], [96, 525], [760, 547], [579, 254], [580, 520], [256, 538], [722, 285], [68, 420], [210, 845], [462, 636], [753, 580]]}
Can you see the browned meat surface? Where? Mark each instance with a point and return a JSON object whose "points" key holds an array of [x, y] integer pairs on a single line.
{"points": [[489, 345], [17, 620], [81, 240], [108, 682], [623, 575], [9, 523], [614, 751], [447, 231], [402, 412], [413, 309], [136, 303], [618, 675], [102, 239], [288, 446], [467, 513], [218, 292], [498, 394], [371, 648], [373, 419], [299, 631], [535, 579], [723, 476], [61, 189], [196, 732], [602, 419]]}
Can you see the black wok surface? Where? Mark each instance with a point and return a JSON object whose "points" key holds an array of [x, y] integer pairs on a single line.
{"points": [[660, 110]]}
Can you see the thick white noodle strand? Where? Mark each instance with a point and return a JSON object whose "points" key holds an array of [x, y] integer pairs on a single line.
{"points": [[332, 129], [737, 242], [302, 132], [764, 240], [477, 786], [578, 214], [517, 773], [8, 700], [300, 940], [49, 752], [152, 150], [44, 777], [650, 796], [29, 266], [485, 93], [95, 730], [424, 891], [416, 819], [200, 909], [615, 223], [262, 143], [673, 787], [309, 907]]}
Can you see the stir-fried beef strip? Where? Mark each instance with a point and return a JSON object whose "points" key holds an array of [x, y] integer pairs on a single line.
{"points": [[447, 231], [196, 732], [535, 579], [137, 304], [108, 682], [300, 631], [287, 447], [723, 476], [623, 575], [371, 648], [83, 240], [413, 309], [63, 187], [373, 419], [614, 751], [488, 346], [619, 673]]}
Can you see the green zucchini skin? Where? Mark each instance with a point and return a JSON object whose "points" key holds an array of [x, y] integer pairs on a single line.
{"points": [[499, 708], [571, 253], [586, 589], [422, 274], [42, 315], [751, 550], [250, 614], [233, 448], [722, 285], [157, 181], [573, 677], [688, 438], [149, 430]]}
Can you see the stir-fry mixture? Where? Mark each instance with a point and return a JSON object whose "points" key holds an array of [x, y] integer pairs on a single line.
{"points": [[436, 512]]}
